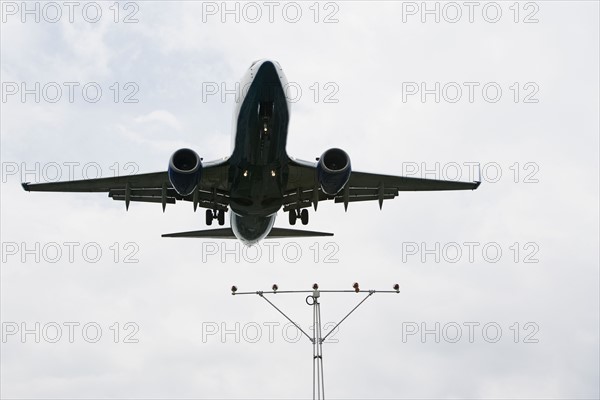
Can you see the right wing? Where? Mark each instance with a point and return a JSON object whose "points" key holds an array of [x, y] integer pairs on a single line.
{"points": [[304, 190], [212, 191]]}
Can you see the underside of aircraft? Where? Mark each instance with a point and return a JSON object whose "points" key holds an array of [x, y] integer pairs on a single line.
{"points": [[258, 179]]}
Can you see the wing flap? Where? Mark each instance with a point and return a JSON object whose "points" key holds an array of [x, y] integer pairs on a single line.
{"points": [[340, 199], [373, 191], [144, 199], [170, 192]]}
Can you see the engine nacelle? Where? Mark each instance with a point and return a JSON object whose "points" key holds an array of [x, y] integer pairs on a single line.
{"points": [[333, 171], [185, 171]]}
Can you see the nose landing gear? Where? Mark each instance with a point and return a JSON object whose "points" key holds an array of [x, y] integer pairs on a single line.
{"points": [[265, 114]]}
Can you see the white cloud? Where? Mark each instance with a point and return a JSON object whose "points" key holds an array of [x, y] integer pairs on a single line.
{"points": [[162, 117]]}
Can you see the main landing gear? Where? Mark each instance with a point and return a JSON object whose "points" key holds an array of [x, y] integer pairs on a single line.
{"points": [[215, 214], [295, 214]]}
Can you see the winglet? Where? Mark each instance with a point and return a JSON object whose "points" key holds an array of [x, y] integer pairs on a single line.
{"points": [[478, 180], [25, 186]]}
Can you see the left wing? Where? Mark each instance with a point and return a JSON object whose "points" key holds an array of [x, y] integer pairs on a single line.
{"points": [[212, 191], [303, 189]]}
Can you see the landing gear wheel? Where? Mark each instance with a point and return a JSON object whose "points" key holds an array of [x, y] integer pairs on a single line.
{"points": [[209, 217], [304, 216], [221, 217], [293, 216]]}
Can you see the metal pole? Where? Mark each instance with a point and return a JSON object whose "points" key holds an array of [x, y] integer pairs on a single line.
{"points": [[318, 384], [320, 352], [314, 341]]}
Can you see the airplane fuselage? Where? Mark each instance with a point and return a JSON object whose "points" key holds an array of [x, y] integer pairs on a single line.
{"points": [[258, 163]]}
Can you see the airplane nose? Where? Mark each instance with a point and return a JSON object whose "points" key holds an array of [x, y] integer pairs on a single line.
{"points": [[268, 82], [268, 72]]}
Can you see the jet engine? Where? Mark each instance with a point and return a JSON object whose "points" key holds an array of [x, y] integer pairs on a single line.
{"points": [[185, 171], [333, 171]]}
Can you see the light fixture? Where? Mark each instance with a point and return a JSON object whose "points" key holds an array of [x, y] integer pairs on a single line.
{"points": [[246, 173], [272, 172]]}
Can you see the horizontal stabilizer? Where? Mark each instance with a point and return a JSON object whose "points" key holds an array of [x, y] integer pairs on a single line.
{"points": [[224, 233], [227, 233], [283, 233]]}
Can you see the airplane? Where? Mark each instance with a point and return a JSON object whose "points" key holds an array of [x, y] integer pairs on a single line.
{"points": [[259, 178]]}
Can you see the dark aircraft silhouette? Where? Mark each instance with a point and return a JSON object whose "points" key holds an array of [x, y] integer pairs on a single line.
{"points": [[259, 178]]}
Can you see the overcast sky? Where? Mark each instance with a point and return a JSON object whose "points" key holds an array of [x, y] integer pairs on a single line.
{"points": [[499, 286]]}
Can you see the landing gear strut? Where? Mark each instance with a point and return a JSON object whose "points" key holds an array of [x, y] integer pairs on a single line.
{"points": [[298, 214], [219, 215]]}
